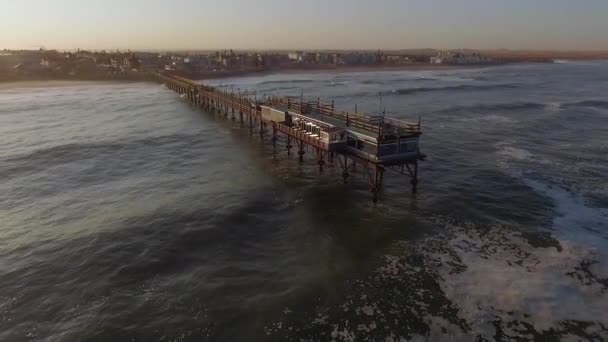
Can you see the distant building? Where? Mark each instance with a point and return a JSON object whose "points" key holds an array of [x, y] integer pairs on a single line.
{"points": [[250, 60], [323, 58], [150, 61], [358, 58], [275, 60], [460, 58], [397, 59], [296, 57]]}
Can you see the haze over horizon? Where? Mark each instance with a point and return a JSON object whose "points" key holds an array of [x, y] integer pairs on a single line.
{"points": [[314, 24]]}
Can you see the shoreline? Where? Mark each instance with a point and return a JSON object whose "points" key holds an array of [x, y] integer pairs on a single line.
{"points": [[332, 69], [142, 76], [31, 83]]}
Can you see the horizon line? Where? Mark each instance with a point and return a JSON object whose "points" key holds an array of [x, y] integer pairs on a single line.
{"points": [[297, 49]]}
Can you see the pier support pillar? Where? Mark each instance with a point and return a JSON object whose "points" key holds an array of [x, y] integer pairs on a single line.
{"points": [[415, 178], [301, 150], [261, 129], [376, 183], [345, 173], [321, 161], [274, 136], [288, 146]]}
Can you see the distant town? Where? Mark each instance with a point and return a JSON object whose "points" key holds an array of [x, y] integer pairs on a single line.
{"points": [[82, 64]]}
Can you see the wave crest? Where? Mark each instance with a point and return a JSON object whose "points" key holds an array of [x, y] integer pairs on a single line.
{"points": [[462, 87], [285, 81], [587, 103], [510, 106]]}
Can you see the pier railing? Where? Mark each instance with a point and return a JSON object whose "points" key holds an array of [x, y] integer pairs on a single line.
{"points": [[303, 136], [381, 126]]}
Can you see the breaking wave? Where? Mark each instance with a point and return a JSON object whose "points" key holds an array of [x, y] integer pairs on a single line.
{"points": [[338, 83], [573, 211], [512, 106], [587, 103], [462, 87], [285, 81], [371, 82]]}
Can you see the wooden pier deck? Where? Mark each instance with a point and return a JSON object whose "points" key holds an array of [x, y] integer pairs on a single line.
{"points": [[377, 143]]}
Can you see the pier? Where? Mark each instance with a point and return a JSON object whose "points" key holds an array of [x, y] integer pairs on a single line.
{"points": [[375, 143]]}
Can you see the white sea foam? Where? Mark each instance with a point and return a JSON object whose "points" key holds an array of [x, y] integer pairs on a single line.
{"points": [[574, 220], [508, 155], [575, 62], [493, 285], [504, 278], [553, 106], [509, 152]]}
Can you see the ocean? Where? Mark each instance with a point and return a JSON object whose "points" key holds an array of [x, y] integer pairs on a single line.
{"points": [[127, 214]]}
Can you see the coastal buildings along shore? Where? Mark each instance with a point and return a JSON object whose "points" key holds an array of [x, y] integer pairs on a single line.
{"points": [[83, 64]]}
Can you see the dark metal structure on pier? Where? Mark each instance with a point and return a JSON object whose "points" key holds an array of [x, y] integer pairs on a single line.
{"points": [[377, 143]]}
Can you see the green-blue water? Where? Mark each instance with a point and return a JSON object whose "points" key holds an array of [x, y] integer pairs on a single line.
{"points": [[127, 214]]}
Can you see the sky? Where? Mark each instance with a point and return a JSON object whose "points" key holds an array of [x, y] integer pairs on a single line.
{"points": [[304, 24]]}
